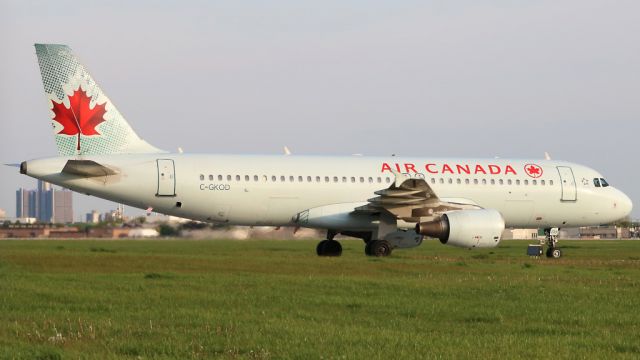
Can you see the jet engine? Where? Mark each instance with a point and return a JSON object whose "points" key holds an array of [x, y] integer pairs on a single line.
{"points": [[481, 228]]}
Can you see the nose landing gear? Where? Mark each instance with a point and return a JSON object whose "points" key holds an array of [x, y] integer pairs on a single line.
{"points": [[551, 240]]}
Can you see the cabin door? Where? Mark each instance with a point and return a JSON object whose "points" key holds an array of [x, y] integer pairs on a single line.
{"points": [[568, 183], [166, 178]]}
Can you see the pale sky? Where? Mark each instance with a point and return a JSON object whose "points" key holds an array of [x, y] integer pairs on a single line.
{"points": [[419, 78]]}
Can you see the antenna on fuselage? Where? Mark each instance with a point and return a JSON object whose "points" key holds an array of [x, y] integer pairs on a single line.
{"points": [[547, 156]]}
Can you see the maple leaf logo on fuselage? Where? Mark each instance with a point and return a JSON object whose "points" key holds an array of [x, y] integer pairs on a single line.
{"points": [[79, 119], [533, 170]]}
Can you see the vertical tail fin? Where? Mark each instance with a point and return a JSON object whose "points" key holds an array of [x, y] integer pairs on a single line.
{"points": [[85, 121]]}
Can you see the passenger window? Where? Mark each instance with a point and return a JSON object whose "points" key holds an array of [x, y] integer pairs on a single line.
{"points": [[493, 181], [534, 182], [517, 182], [300, 179], [309, 178], [335, 179], [283, 178], [475, 181], [370, 180], [509, 182], [458, 181], [542, 182], [604, 182], [210, 177], [550, 182], [246, 178], [433, 181], [292, 178], [265, 178], [450, 181], [201, 177], [361, 179], [379, 179], [388, 180], [317, 178], [274, 178], [228, 177], [501, 182], [441, 181], [353, 179], [344, 179], [326, 179], [484, 181], [596, 182], [219, 177], [237, 177], [526, 182], [466, 181]]}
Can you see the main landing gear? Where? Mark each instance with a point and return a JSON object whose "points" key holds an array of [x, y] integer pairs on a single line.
{"points": [[551, 240], [378, 248], [329, 247]]}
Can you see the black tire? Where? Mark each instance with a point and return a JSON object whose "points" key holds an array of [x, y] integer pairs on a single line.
{"points": [[329, 248], [320, 248], [380, 248], [367, 248], [556, 253]]}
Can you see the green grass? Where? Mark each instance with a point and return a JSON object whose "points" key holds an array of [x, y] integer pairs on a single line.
{"points": [[276, 299]]}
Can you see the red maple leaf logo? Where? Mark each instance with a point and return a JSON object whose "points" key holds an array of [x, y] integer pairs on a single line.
{"points": [[79, 119], [533, 170]]}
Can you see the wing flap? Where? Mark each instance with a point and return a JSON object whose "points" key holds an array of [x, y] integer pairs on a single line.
{"points": [[412, 200]]}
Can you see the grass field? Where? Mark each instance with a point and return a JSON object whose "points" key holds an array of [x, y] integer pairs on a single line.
{"points": [[276, 299]]}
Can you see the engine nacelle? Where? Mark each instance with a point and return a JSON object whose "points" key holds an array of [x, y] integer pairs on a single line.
{"points": [[480, 228]]}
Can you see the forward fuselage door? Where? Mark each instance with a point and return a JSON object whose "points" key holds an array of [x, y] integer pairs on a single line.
{"points": [[568, 183], [166, 178]]}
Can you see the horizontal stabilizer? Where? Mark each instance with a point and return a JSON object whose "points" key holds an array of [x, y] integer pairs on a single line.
{"points": [[87, 168]]}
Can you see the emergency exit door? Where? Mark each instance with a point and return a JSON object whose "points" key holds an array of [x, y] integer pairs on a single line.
{"points": [[568, 183], [166, 178]]}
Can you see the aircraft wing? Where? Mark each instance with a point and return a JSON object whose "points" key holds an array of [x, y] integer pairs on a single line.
{"points": [[412, 200]]}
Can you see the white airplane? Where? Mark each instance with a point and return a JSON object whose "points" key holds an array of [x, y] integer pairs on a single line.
{"points": [[389, 202]]}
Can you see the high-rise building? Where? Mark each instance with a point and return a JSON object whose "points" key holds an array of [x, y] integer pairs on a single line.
{"points": [[46, 204], [26, 203], [62, 206]]}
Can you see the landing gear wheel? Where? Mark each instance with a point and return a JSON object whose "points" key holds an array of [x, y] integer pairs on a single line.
{"points": [[379, 248], [551, 240], [329, 248], [367, 248]]}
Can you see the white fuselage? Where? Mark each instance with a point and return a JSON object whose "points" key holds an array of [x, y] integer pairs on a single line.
{"points": [[271, 190]]}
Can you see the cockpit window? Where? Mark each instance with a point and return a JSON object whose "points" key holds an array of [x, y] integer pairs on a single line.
{"points": [[596, 182], [604, 182]]}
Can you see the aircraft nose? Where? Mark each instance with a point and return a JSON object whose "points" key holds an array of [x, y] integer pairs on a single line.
{"points": [[624, 204]]}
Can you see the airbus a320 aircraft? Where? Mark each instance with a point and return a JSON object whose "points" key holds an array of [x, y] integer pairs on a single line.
{"points": [[389, 202]]}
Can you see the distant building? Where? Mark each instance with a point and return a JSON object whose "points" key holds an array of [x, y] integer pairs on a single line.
{"points": [[62, 206], [46, 204], [520, 234], [113, 215], [3, 214], [26, 203], [93, 217]]}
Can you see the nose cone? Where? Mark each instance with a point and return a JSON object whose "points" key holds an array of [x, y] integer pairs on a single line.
{"points": [[624, 204]]}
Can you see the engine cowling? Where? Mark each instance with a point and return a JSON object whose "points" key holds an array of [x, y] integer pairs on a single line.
{"points": [[480, 228]]}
